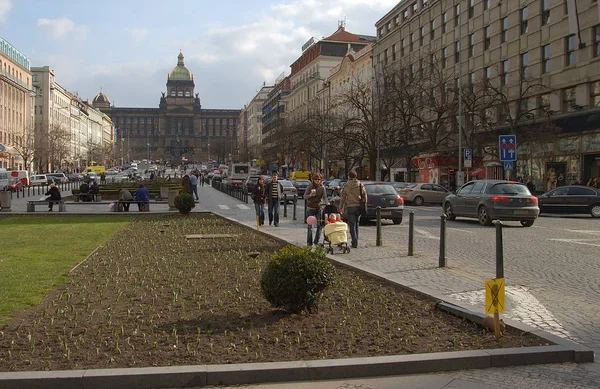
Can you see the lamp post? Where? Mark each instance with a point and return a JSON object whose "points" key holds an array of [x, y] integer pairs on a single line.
{"points": [[459, 172]]}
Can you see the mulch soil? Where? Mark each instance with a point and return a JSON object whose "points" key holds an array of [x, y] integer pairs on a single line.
{"points": [[151, 297]]}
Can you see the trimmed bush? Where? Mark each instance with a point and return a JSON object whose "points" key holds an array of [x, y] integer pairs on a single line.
{"points": [[296, 277], [184, 202]]}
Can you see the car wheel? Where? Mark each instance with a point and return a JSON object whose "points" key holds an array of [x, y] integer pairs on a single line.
{"points": [[418, 201], [449, 213], [527, 223], [397, 220], [595, 210], [484, 217]]}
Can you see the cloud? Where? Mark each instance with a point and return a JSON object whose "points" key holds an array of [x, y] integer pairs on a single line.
{"points": [[60, 28], [4, 9], [137, 34]]}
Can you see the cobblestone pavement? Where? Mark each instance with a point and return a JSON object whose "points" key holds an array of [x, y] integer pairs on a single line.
{"points": [[551, 272]]}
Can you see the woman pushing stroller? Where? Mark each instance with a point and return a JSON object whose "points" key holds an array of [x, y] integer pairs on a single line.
{"points": [[315, 197]]}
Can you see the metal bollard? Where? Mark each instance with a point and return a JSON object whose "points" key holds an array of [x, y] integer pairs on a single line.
{"points": [[411, 233], [304, 211], [499, 250], [285, 205], [442, 260], [378, 238], [294, 211]]}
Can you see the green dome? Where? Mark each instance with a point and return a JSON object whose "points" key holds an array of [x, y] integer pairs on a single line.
{"points": [[180, 72]]}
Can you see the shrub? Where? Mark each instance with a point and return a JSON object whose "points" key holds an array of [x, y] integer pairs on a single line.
{"points": [[295, 278], [184, 202]]}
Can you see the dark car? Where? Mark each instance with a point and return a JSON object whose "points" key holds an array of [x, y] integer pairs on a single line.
{"points": [[384, 195], [334, 186], [301, 185], [571, 199], [489, 200]]}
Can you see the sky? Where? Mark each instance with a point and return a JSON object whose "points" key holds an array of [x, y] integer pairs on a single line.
{"points": [[128, 47]]}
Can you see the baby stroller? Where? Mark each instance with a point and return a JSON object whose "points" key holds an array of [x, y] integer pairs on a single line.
{"points": [[334, 233]]}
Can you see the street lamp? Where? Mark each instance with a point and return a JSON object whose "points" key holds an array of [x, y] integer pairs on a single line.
{"points": [[208, 151]]}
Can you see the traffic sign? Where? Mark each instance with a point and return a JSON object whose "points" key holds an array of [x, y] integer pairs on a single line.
{"points": [[508, 165], [468, 157], [508, 147], [494, 295]]}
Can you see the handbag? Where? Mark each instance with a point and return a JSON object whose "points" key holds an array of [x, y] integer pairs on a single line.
{"points": [[363, 203]]}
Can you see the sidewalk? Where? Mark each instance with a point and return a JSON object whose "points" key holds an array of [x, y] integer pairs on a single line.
{"points": [[389, 261]]}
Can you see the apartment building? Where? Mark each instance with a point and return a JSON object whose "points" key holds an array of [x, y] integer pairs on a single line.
{"points": [[543, 55], [16, 108], [273, 126], [254, 124]]}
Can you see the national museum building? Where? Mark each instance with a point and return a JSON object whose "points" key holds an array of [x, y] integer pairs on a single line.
{"points": [[178, 130]]}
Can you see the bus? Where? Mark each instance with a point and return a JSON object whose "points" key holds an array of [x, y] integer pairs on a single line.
{"points": [[238, 172]]}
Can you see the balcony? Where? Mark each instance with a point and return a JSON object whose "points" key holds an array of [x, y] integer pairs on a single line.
{"points": [[11, 78]]}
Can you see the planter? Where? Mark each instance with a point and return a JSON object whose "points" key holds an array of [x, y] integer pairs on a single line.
{"points": [[164, 192], [172, 196], [5, 201]]}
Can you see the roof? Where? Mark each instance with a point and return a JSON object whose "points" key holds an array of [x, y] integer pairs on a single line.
{"points": [[180, 72], [101, 98], [341, 35]]}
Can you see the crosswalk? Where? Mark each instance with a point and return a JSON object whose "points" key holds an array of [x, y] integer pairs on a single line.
{"points": [[240, 206]]}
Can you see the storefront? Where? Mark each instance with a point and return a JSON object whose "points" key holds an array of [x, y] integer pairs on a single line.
{"points": [[442, 170]]}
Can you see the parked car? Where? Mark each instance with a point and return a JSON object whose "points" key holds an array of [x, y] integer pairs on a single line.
{"points": [[419, 194], [489, 200], [217, 176], [40, 179], [400, 185], [571, 199], [253, 179], [380, 194], [288, 189], [334, 187], [301, 185], [58, 177], [14, 184]]}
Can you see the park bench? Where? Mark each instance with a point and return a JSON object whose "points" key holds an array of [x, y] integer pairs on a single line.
{"points": [[118, 207], [32, 203], [80, 196]]}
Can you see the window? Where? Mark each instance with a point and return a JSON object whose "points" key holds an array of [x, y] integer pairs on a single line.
{"points": [[180, 94], [471, 8], [487, 31], [405, 15], [597, 41], [524, 64], [524, 24], [595, 94], [385, 56], [486, 4], [456, 15], [444, 21], [444, 58], [394, 52], [569, 99], [173, 93], [389, 26], [487, 73], [432, 29], [504, 30], [504, 75], [471, 45], [571, 56], [402, 45], [545, 12], [424, 2], [380, 32], [397, 20], [414, 8], [546, 64], [412, 41], [471, 81], [456, 51], [421, 35]]}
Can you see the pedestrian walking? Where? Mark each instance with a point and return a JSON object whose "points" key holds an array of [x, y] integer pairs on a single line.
{"points": [[274, 195], [350, 204], [259, 195], [530, 185], [186, 186], [315, 196], [194, 184]]}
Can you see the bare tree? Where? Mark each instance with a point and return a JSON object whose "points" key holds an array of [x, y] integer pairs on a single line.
{"points": [[25, 148], [51, 147]]}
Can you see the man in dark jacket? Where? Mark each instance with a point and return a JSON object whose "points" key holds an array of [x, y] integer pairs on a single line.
{"points": [[54, 194], [274, 195], [259, 194]]}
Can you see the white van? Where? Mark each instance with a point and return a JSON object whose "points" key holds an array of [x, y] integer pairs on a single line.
{"points": [[22, 175], [3, 179]]}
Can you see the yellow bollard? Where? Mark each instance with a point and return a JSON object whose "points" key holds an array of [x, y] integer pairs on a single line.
{"points": [[257, 223]]}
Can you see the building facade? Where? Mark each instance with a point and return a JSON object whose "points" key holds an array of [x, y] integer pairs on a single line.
{"points": [[69, 133], [273, 126], [16, 108], [179, 130], [541, 56], [254, 129]]}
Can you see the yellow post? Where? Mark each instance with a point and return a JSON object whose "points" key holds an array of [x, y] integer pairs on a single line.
{"points": [[257, 223], [497, 332]]}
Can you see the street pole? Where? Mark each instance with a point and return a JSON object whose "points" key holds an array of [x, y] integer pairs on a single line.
{"points": [[378, 167], [459, 172]]}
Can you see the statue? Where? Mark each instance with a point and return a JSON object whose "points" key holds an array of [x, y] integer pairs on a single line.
{"points": [[163, 99], [197, 99]]}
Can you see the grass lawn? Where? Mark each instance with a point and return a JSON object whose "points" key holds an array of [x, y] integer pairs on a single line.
{"points": [[152, 297], [39, 251]]}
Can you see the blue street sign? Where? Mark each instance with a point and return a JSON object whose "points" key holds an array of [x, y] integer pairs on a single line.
{"points": [[508, 165], [508, 147], [468, 157]]}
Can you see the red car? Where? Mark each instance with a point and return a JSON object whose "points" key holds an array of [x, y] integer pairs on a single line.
{"points": [[14, 184]]}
